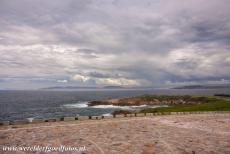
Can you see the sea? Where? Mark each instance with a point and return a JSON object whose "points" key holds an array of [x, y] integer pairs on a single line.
{"points": [[15, 105]]}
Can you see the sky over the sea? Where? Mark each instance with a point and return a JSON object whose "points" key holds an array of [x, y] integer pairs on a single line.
{"points": [[156, 43]]}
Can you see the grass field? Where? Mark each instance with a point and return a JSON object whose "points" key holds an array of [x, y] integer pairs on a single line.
{"points": [[214, 104]]}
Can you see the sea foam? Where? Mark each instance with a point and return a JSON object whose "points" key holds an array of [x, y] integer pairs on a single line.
{"points": [[77, 105]]}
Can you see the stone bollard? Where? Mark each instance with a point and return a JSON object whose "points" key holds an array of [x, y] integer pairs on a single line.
{"points": [[108, 117], [140, 115], [30, 120], [159, 113], [69, 118], [119, 116], [83, 118], [38, 121], [4, 123], [130, 115], [58, 119], [19, 122], [50, 120], [96, 117], [149, 114]]}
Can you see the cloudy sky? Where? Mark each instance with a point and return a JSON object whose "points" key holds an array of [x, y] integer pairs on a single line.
{"points": [[158, 43]]}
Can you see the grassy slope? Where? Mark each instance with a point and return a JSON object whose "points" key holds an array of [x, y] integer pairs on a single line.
{"points": [[178, 97], [215, 104]]}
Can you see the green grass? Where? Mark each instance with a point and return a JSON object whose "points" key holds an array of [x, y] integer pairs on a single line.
{"points": [[178, 97], [215, 104]]}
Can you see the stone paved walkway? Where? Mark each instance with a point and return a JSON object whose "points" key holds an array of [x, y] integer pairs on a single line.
{"points": [[173, 134]]}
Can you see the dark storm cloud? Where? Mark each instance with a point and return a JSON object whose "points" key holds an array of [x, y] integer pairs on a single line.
{"points": [[121, 42]]}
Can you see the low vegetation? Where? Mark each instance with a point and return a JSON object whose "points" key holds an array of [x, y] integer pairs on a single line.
{"points": [[156, 100], [185, 98], [175, 103], [213, 104], [223, 95]]}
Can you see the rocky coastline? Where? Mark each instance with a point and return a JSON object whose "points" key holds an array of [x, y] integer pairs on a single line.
{"points": [[154, 100]]}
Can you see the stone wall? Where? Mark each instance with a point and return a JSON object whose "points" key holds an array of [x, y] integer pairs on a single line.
{"points": [[79, 118]]}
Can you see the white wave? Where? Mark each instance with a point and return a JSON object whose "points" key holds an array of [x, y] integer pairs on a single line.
{"points": [[107, 114], [156, 106], [138, 106], [119, 107], [77, 105], [85, 105], [110, 106]]}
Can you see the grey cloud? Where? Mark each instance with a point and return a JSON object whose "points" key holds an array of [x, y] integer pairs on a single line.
{"points": [[89, 51], [147, 41], [103, 75], [187, 64]]}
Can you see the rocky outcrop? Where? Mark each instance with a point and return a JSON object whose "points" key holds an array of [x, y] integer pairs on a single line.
{"points": [[153, 100]]}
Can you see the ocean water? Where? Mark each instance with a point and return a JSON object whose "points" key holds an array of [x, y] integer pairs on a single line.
{"points": [[48, 104]]}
